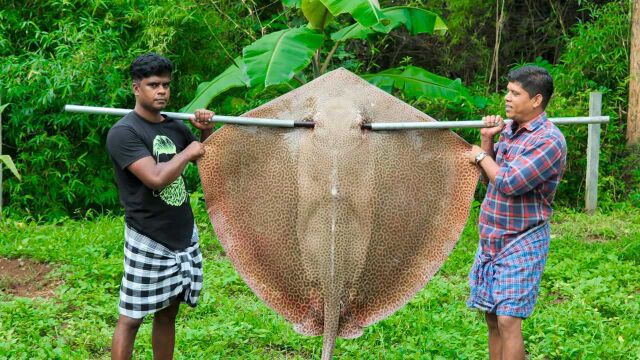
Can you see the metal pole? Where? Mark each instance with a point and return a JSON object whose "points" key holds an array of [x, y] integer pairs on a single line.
{"points": [[419, 125], [380, 126], [593, 153], [237, 120]]}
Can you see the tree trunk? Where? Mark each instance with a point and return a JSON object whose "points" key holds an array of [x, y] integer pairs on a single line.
{"points": [[633, 115]]}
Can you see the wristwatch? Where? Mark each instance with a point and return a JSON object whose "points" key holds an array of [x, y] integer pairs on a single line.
{"points": [[480, 156]]}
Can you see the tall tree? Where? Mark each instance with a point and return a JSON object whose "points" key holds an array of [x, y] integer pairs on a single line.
{"points": [[633, 121]]}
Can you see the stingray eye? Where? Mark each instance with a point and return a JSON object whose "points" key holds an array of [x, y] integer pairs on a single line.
{"points": [[312, 117], [364, 119]]}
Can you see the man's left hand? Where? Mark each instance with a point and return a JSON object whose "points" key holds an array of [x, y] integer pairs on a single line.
{"points": [[202, 119], [471, 154]]}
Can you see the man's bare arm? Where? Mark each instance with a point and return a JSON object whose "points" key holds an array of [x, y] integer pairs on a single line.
{"points": [[158, 175], [488, 165]]}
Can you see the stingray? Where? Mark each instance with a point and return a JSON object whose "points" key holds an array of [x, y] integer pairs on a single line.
{"points": [[336, 227]]}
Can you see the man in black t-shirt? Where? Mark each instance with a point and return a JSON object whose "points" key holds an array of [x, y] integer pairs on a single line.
{"points": [[163, 263]]}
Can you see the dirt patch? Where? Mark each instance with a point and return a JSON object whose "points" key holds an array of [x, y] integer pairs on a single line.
{"points": [[557, 298], [593, 238], [27, 278]]}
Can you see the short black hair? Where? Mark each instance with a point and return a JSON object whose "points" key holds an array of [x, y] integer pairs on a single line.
{"points": [[534, 80], [149, 65]]}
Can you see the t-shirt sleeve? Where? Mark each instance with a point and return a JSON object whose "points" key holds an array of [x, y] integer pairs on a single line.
{"points": [[125, 147]]}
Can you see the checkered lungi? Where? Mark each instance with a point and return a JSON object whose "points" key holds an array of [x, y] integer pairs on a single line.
{"points": [[155, 276], [508, 283]]}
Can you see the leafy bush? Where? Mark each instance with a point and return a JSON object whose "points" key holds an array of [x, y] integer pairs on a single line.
{"points": [[596, 59], [58, 52]]}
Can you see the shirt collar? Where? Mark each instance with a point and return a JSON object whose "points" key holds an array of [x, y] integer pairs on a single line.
{"points": [[531, 126]]}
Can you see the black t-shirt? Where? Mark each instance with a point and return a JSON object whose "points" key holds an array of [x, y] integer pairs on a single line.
{"points": [[164, 215]]}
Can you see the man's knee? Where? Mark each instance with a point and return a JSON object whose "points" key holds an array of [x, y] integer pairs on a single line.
{"points": [[129, 323], [168, 314], [492, 321], [508, 323]]}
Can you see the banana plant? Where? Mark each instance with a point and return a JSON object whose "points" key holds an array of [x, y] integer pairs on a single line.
{"points": [[281, 56]]}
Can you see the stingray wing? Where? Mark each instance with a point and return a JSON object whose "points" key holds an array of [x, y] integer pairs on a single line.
{"points": [[359, 229], [250, 180], [422, 194]]}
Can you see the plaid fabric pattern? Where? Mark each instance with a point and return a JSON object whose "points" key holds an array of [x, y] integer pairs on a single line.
{"points": [[508, 283], [532, 161], [155, 276]]}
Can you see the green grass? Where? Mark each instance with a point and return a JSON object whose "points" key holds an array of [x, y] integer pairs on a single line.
{"points": [[589, 304]]}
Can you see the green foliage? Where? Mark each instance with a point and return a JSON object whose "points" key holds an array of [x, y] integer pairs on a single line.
{"points": [[292, 3], [415, 20], [630, 168], [597, 59], [275, 58], [463, 52], [365, 12], [230, 78], [8, 162], [316, 14], [6, 159], [588, 307], [57, 52], [416, 82]]}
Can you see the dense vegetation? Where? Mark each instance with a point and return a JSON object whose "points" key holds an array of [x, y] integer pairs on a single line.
{"points": [[56, 52], [65, 212]]}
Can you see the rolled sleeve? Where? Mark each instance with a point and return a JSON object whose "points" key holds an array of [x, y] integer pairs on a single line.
{"points": [[536, 164]]}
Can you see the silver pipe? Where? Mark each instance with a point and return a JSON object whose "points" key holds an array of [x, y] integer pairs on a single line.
{"points": [[236, 120], [417, 125]]}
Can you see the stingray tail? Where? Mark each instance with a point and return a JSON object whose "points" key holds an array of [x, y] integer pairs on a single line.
{"points": [[331, 324]]}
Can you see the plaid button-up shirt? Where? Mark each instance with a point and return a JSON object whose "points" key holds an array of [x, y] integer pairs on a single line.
{"points": [[532, 162]]}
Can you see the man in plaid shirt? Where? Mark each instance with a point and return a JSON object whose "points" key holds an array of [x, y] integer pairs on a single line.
{"points": [[524, 169]]}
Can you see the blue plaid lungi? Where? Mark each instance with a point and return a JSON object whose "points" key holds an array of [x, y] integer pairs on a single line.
{"points": [[155, 276], [507, 283]]}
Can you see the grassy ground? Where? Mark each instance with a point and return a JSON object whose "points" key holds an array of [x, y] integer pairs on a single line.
{"points": [[589, 306]]}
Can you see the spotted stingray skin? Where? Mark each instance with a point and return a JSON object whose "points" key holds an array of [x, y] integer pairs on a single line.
{"points": [[337, 217]]}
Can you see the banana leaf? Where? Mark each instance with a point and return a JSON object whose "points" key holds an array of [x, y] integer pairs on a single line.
{"points": [[415, 20], [365, 12], [230, 78], [276, 57], [316, 13], [6, 159], [417, 82]]}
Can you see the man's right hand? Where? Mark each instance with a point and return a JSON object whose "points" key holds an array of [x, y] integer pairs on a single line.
{"points": [[495, 123], [194, 150]]}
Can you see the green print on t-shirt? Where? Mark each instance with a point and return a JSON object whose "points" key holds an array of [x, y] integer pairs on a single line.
{"points": [[176, 193]]}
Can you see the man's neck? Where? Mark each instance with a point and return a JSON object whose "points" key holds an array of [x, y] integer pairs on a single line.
{"points": [[529, 120], [149, 115]]}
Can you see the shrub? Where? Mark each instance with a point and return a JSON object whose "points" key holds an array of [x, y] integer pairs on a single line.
{"points": [[57, 52]]}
